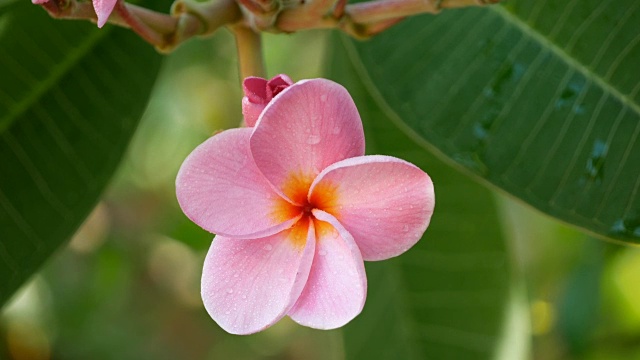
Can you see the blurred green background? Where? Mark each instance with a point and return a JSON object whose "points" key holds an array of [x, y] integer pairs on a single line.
{"points": [[127, 285]]}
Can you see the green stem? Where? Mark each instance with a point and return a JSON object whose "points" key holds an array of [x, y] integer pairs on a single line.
{"points": [[250, 56]]}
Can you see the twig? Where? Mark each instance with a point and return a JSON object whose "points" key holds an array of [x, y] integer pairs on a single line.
{"points": [[356, 18], [188, 19], [191, 18], [162, 23], [338, 9], [139, 27]]}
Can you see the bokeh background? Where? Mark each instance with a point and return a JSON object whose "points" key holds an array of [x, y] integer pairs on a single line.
{"points": [[127, 285]]}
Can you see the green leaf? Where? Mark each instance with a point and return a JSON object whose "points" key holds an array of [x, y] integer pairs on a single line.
{"points": [[447, 297], [70, 99], [540, 98], [578, 308]]}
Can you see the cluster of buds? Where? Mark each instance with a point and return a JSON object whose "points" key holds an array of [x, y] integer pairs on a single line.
{"points": [[189, 18]]}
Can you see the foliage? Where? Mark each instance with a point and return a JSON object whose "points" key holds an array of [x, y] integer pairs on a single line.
{"points": [[541, 99], [70, 100]]}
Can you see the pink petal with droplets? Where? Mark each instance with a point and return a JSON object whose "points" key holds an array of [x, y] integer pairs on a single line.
{"points": [[307, 127], [337, 286], [251, 111], [220, 188], [384, 202], [248, 285]]}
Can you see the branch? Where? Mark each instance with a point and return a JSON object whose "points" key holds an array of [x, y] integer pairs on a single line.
{"points": [[368, 18], [139, 27], [190, 18], [165, 32], [381, 10]]}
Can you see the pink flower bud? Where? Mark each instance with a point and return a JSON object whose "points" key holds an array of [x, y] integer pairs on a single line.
{"points": [[258, 92]]}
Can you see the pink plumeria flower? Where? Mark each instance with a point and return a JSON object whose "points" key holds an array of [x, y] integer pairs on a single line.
{"points": [[297, 207], [103, 9], [258, 92]]}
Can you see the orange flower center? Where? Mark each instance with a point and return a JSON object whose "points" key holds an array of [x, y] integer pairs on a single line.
{"points": [[296, 188]]}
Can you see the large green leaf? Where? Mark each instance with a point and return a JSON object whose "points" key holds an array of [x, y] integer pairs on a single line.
{"points": [[70, 99], [447, 297], [540, 98]]}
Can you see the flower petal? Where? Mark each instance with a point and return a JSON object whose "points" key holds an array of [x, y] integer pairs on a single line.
{"points": [[307, 127], [255, 89], [251, 111], [384, 202], [248, 285], [337, 286], [220, 188], [103, 9], [277, 84], [254, 100]]}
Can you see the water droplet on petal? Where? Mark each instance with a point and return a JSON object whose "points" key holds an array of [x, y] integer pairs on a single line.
{"points": [[268, 247], [313, 139], [323, 97], [336, 130], [405, 228], [229, 291]]}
